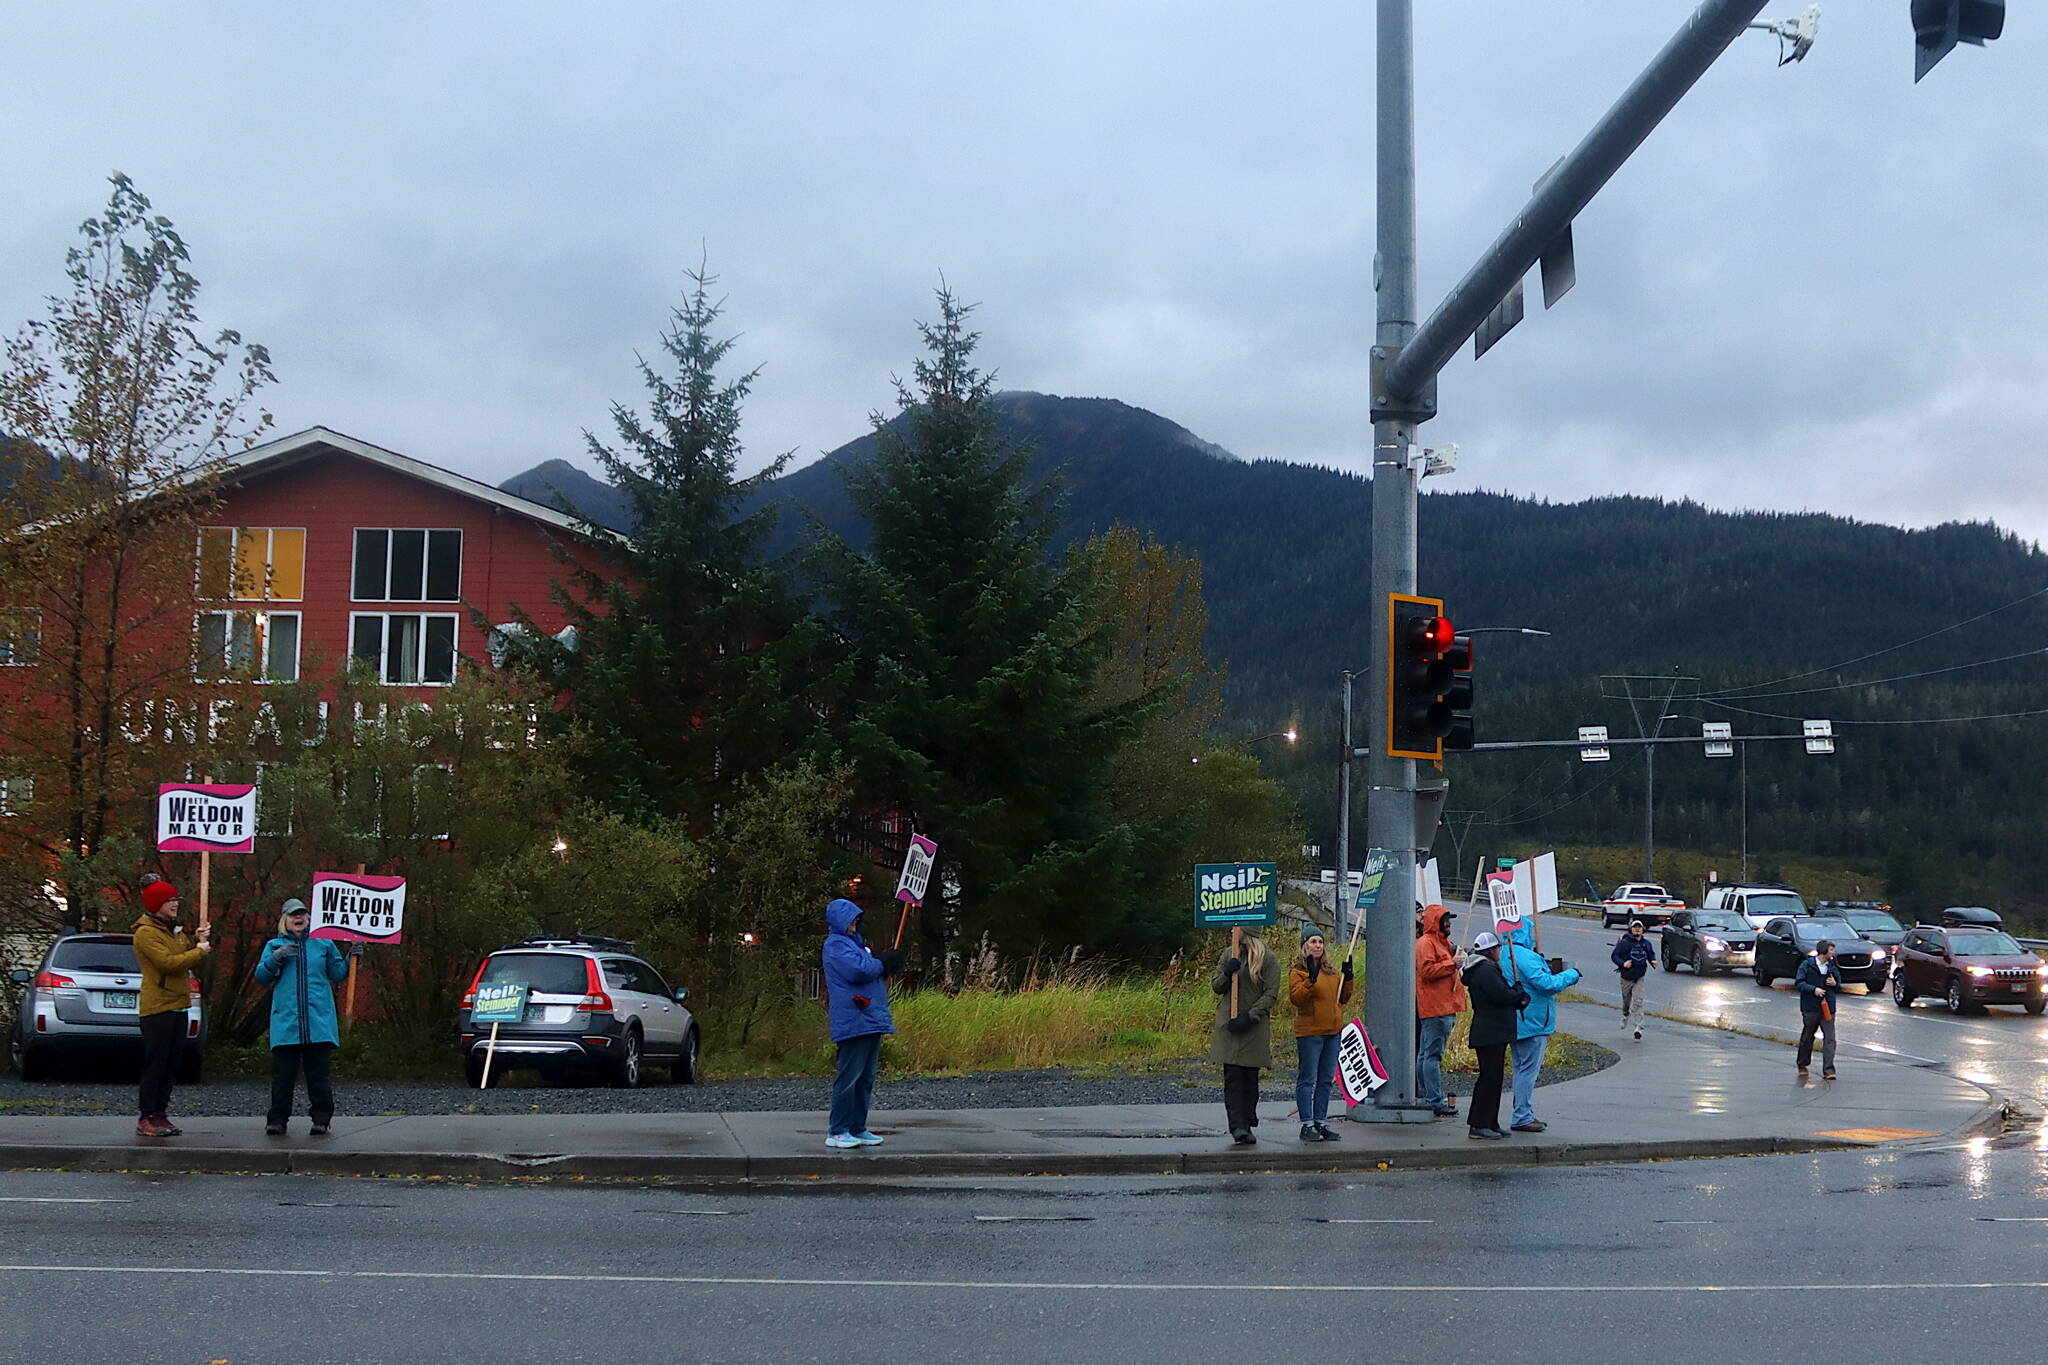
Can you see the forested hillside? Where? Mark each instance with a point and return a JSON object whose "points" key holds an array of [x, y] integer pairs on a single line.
{"points": [[1778, 616]]}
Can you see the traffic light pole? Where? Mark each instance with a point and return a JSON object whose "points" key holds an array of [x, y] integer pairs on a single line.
{"points": [[1405, 362]]}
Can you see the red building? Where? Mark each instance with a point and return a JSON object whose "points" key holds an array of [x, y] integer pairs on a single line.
{"points": [[325, 548]]}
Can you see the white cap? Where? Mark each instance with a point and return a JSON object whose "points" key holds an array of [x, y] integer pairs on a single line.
{"points": [[1487, 939]]}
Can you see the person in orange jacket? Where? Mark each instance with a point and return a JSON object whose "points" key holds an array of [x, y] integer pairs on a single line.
{"points": [[1439, 1000], [1319, 996]]}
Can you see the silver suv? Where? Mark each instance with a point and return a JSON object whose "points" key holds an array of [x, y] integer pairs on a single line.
{"points": [[590, 1004], [81, 1002]]}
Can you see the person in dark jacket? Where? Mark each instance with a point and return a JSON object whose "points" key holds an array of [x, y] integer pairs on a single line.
{"points": [[1494, 1007], [857, 1009], [302, 973], [167, 957], [1632, 957], [1818, 980], [1243, 1041]]}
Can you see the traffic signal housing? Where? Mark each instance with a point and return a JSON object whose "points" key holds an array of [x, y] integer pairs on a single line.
{"points": [[1419, 672], [1938, 25], [1457, 695]]}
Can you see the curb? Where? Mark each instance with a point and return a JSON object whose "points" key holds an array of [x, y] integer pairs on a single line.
{"points": [[626, 1167]]}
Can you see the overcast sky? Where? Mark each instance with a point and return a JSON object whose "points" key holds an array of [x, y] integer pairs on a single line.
{"points": [[454, 224]]}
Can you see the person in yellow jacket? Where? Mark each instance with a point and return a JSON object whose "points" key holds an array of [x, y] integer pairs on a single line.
{"points": [[1319, 995], [167, 957]]}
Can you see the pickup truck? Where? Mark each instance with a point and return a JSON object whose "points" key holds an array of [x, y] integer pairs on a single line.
{"points": [[1708, 941], [1645, 901]]}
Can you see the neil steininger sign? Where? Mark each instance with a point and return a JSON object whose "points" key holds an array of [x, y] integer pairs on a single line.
{"points": [[358, 909], [205, 817]]}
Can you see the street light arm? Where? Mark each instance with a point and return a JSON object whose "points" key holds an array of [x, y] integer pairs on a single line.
{"points": [[1560, 195]]}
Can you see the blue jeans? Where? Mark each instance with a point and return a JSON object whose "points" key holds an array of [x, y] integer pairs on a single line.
{"points": [[1430, 1037], [1315, 1067], [1528, 1061], [854, 1084]]}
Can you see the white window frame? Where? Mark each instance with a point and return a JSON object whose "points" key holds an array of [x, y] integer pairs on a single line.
{"points": [[261, 623], [263, 593], [384, 645], [425, 555], [16, 793], [16, 626]]}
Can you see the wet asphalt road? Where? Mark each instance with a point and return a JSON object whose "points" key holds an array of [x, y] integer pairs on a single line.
{"points": [[1886, 1255], [2004, 1048]]}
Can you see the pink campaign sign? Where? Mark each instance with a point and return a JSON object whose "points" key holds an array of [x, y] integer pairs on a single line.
{"points": [[352, 907], [206, 817]]}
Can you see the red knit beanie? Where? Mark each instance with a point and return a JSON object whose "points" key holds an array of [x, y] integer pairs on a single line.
{"points": [[155, 894]]}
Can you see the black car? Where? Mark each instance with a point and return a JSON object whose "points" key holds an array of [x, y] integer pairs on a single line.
{"points": [[1873, 922], [1782, 944], [1708, 940]]}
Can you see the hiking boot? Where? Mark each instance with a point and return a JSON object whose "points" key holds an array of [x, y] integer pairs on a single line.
{"points": [[1532, 1126], [275, 1128], [1242, 1137], [166, 1127], [320, 1130], [1488, 1133], [1828, 1075], [1323, 1132], [147, 1126], [1310, 1134]]}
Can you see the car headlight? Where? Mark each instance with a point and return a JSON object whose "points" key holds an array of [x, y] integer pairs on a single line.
{"points": [[2041, 970], [1876, 954], [1979, 971]]}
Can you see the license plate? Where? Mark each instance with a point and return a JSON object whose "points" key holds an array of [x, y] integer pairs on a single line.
{"points": [[118, 1000]]}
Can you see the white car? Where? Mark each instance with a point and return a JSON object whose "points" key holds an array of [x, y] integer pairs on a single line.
{"points": [[1645, 901]]}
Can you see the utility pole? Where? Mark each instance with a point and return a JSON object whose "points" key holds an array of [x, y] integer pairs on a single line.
{"points": [[1406, 357], [1344, 812]]}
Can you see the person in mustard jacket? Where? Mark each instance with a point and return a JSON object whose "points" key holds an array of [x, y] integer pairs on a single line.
{"points": [[1243, 1041], [1319, 995], [167, 958]]}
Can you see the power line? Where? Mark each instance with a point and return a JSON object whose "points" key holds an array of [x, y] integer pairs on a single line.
{"points": [[1742, 692], [1903, 677], [1911, 720]]}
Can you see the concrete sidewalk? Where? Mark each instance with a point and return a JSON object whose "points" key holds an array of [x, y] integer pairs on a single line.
{"points": [[1684, 1091]]}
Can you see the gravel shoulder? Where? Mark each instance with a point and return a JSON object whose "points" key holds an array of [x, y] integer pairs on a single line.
{"points": [[1186, 1081]]}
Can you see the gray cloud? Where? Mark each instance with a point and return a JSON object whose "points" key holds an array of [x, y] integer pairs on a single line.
{"points": [[454, 226]]}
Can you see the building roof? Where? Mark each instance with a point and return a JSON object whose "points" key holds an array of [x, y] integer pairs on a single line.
{"points": [[316, 441]]}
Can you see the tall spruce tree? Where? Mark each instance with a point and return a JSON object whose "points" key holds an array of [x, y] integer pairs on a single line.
{"points": [[679, 676], [971, 707]]}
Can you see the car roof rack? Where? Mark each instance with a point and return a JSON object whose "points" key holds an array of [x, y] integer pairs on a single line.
{"points": [[597, 941]]}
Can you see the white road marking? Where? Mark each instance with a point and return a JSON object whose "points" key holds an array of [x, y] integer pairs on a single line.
{"points": [[1390, 1222], [31, 1199], [1057, 1286]]}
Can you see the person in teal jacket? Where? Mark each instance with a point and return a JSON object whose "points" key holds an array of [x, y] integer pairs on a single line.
{"points": [[1523, 968], [302, 973]]}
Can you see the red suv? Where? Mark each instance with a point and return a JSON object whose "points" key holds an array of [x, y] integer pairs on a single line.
{"points": [[1970, 968]]}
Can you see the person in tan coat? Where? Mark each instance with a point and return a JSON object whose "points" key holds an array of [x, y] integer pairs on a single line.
{"points": [[167, 957], [1243, 1041], [1319, 995], [1439, 1000]]}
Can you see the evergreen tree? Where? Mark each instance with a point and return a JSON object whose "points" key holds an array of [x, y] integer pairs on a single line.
{"points": [[970, 709], [679, 675]]}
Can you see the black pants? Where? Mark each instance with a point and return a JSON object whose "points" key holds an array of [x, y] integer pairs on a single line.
{"points": [[284, 1078], [163, 1044], [1483, 1110], [1241, 1096]]}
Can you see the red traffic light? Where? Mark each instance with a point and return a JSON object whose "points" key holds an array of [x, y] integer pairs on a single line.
{"points": [[1431, 634]]}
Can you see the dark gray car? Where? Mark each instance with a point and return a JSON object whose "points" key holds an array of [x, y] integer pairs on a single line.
{"points": [[1708, 941], [81, 1004]]}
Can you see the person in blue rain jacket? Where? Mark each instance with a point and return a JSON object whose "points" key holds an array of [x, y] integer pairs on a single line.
{"points": [[857, 1010], [1523, 968], [302, 973]]}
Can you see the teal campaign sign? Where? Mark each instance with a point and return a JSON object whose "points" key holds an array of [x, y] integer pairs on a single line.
{"points": [[1228, 894], [501, 1002], [1377, 864]]}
